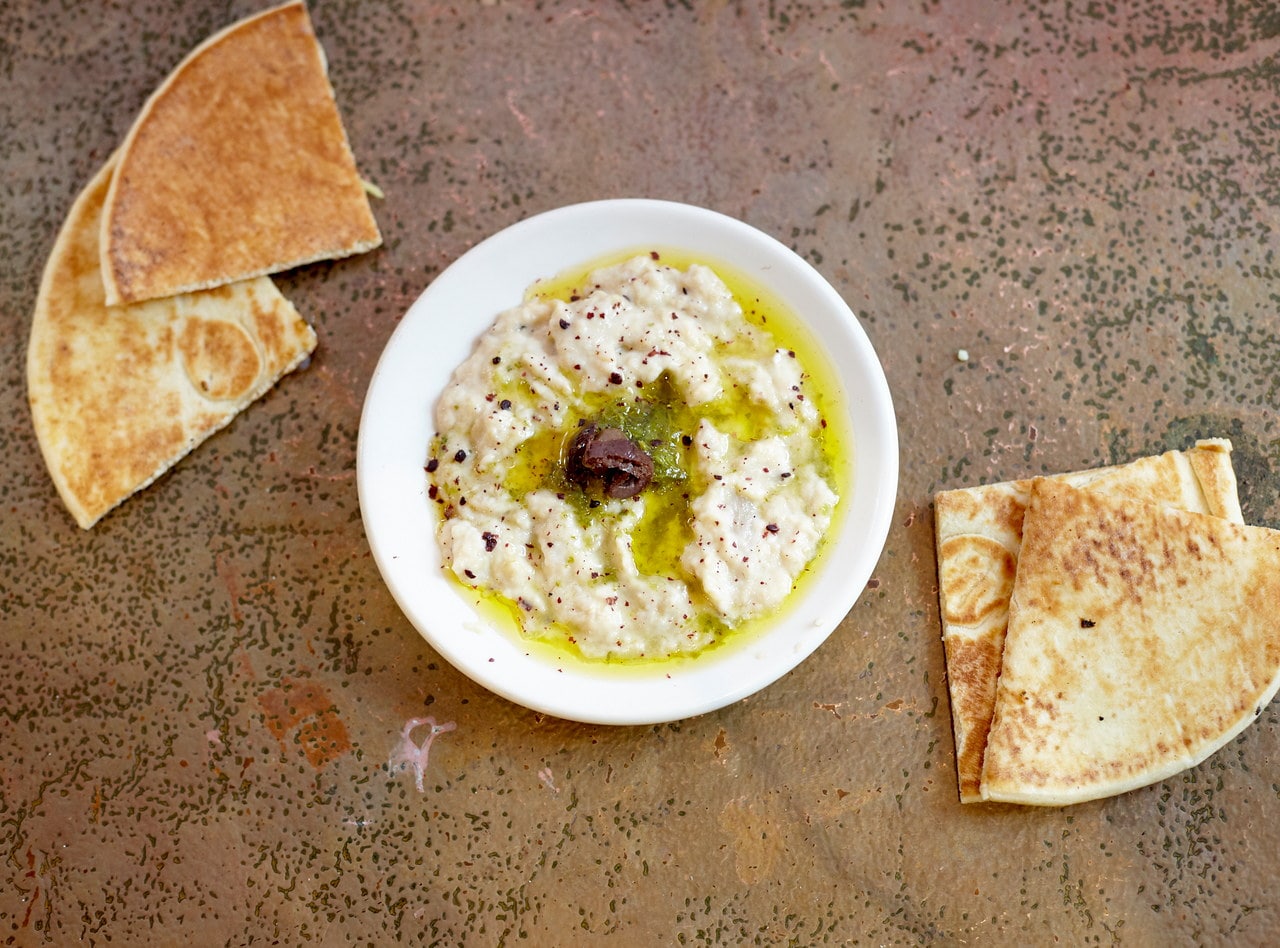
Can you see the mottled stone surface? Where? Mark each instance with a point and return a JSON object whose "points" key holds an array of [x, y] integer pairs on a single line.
{"points": [[213, 718]]}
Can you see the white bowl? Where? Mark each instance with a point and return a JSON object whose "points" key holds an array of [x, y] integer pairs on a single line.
{"points": [[439, 331]]}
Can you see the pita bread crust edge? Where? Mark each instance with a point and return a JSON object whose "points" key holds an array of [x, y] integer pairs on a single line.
{"points": [[118, 396], [237, 166]]}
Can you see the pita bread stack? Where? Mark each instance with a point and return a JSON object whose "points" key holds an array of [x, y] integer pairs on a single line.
{"points": [[1141, 639], [1103, 629], [119, 395], [156, 324]]}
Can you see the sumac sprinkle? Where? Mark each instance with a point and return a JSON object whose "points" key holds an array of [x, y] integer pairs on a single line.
{"points": [[490, 541], [460, 456], [771, 527], [432, 464], [469, 574], [564, 324], [505, 404], [615, 378]]}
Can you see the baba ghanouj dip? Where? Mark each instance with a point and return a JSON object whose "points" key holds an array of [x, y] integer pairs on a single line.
{"points": [[633, 464]]}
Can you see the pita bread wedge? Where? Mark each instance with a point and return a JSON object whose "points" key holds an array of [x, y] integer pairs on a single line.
{"points": [[238, 166], [1141, 639], [120, 395], [979, 535]]}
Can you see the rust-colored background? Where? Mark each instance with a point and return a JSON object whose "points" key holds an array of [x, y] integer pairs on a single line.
{"points": [[202, 701]]}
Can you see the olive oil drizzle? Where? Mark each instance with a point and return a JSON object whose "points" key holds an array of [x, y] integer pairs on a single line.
{"points": [[663, 423]]}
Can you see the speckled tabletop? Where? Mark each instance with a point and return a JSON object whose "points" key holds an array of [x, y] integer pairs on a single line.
{"points": [[203, 698]]}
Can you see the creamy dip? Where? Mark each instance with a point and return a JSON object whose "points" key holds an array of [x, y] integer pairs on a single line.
{"points": [[740, 495]]}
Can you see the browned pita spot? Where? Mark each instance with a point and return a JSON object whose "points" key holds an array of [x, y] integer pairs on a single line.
{"points": [[219, 357], [119, 395], [969, 660], [1179, 652], [237, 166], [1200, 479], [977, 576]]}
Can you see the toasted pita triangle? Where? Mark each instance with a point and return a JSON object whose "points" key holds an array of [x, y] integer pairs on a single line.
{"points": [[120, 395], [238, 166], [979, 535], [1141, 639]]}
